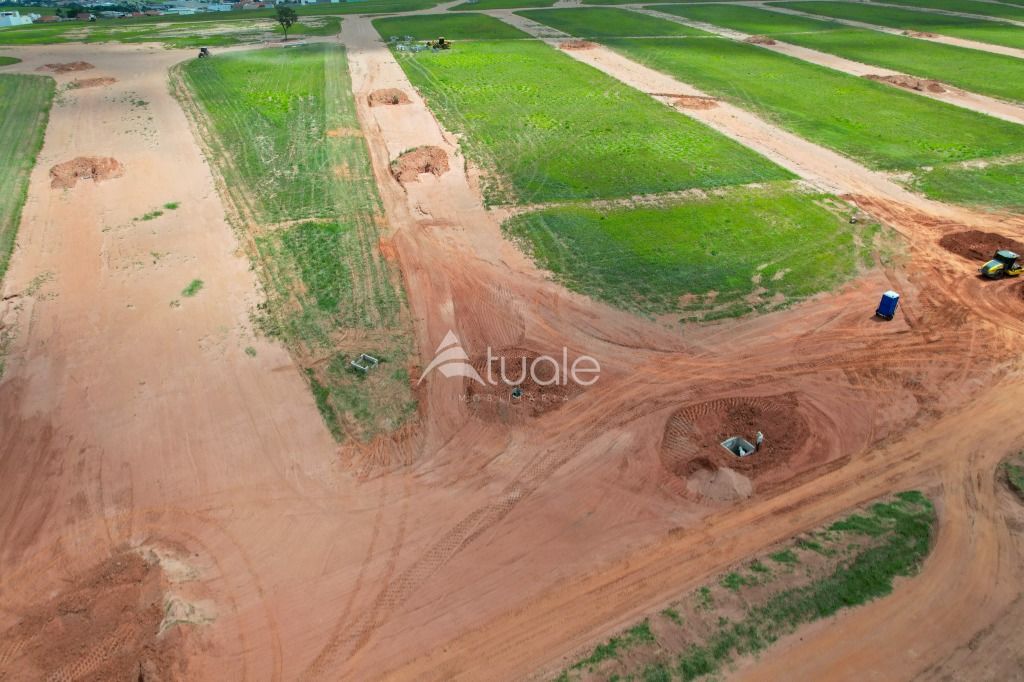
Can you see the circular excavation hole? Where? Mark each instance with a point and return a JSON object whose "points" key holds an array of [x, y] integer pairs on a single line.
{"points": [[388, 97], [409, 166]]}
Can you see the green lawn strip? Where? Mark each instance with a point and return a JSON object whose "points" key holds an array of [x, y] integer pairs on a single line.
{"points": [[605, 22], [547, 127], [452, 26], [964, 68], [868, 551], [980, 30], [1013, 468], [988, 9], [880, 126], [7, 61], [313, 200], [502, 4], [24, 111], [996, 186], [727, 254], [622, 2]]}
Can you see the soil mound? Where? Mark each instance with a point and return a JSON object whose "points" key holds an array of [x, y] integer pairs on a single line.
{"points": [[695, 102], [693, 436], [102, 625], [66, 175], [920, 34], [66, 67], [722, 484], [388, 97], [909, 82], [977, 245], [576, 45], [542, 386], [426, 159], [79, 83], [759, 40]]}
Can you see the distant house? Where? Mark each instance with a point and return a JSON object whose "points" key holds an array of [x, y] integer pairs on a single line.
{"points": [[13, 19], [180, 11], [85, 16], [48, 19], [219, 7]]}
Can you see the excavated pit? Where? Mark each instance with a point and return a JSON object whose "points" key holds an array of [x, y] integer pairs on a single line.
{"points": [[409, 166], [976, 245], [96, 168], [542, 386], [388, 97], [909, 83], [66, 67]]}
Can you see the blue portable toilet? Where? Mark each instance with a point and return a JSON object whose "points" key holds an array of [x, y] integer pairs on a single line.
{"points": [[887, 307]]}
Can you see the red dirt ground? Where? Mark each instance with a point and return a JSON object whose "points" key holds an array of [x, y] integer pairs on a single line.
{"points": [[96, 168], [80, 83], [387, 97], [66, 67], [693, 102], [977, 245], [759, 40], [576, 45], [909, 82], [426, 159]]}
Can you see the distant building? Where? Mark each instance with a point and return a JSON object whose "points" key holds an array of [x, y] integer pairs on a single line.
{"points": [[219, 7], [13, 19], [48, 19]]}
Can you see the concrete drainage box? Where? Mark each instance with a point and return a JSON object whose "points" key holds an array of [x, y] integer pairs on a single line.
{"points": [[739, 446]]}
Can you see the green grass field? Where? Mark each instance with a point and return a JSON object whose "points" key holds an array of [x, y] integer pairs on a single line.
{"points": [[548, 128], [996, 186], [451, 26], [959, 27], [308, 205], [739, 614], [605, 22], [987, 9], [24, 109], [7, 61], [725, 255], [968, 69], [503, 4]]}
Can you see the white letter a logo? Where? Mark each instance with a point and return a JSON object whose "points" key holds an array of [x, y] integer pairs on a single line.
{"points": [[451, 361]]}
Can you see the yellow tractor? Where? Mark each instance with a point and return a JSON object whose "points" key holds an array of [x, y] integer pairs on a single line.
{"points": [[439, 44], [1004, 264]]}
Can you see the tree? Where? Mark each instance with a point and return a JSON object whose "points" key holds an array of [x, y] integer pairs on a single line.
{"points": [[286, 16]]}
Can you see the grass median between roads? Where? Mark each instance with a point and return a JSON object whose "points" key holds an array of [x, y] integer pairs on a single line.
{"points": [[994, 186], [719, 256], [604, 22], [979, 30], [284, 136], [546, 127], [973, 70], [742, 612], [452, 26], [986, 9]]}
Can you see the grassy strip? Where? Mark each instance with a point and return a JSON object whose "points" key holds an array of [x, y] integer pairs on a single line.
{"points": [[286, 141], [958, 27], [971, 70], [606, 22], [996, 186], [985, 9], [7, 61], [547, 127], [866, 552], [1013, 467], [24, 109], [881, 126], [503, 4], [724, 255], [451, 26]]}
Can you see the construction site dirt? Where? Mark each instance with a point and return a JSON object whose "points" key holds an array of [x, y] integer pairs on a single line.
{"points": [[150, 460]]}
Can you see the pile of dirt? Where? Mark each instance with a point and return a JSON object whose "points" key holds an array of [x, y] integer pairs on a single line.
{"points": [[388, 97], [909, 82], [576, 45], [721, 484], [79, 83], [542, 386], [102, 625], [759, 40], [695, 102], [66, 67], [425, 159], [977, 245], [693, 439], [66, 175], [920, 34]]}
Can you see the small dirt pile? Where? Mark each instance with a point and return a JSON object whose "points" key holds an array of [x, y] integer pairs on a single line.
{"points": [[519, 383], [66, 175], [576, 45], [695, 102], [759, 40], [66, 67], [909, 82], [388, 97], [80, 83], [426, 159], [977, 245], [920, 34], [102, 625]]}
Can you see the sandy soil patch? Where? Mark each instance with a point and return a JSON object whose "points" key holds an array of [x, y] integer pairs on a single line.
{"points": [[909, 82], [576, 45], [920, 34], [387, 97], [66, 67], [759, 40], [96, 168], [80, 83], [977, 245], [540, 390], [427, 159], [695, 102]]}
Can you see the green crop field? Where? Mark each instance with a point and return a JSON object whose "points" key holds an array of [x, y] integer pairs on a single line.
{"points": [[24, 110], [980, 30], [451, 26], [7, 61], [735, 251], [285, 138], [604, 22], [968, 69], [502, 4], [990, 9], [995, 186], [549, 128]]}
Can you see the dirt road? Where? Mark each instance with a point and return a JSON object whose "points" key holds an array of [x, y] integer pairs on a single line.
{"points": [[133, 417]]}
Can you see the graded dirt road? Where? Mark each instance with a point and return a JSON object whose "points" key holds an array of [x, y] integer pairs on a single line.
{"points": [[492, 543]]}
